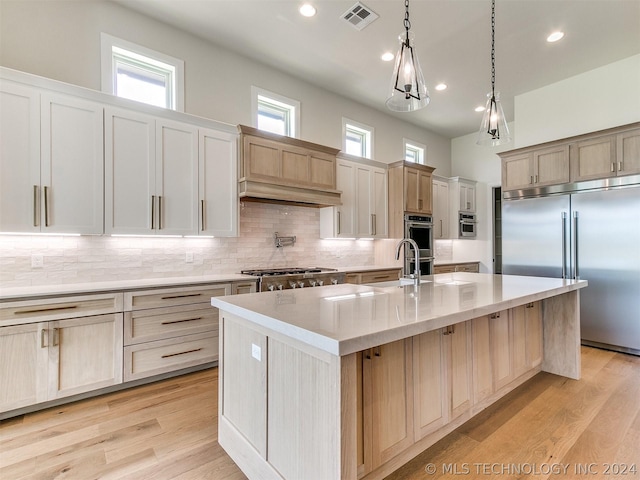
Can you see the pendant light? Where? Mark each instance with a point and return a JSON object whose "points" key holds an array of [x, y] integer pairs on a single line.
{"points": [[493, 129], [408, 90]]}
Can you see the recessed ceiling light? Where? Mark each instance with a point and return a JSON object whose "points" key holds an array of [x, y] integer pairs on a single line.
{"points": [[307, 10], [441, 86], [555, 36], [387, 56], [480, 108]]}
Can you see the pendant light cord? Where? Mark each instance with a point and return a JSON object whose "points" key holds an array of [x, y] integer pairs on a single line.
{"points": [[407, 23], [493, 47]]}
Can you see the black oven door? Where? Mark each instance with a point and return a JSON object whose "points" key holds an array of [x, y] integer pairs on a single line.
{"points": [[423, 236]]}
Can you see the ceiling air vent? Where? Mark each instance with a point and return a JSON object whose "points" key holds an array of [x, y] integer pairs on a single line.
{"points": [[359, 16]]}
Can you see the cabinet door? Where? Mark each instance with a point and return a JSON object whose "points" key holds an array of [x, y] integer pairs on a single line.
{"points": [[364, 206], [23, 365], [534, 334], [85, 354], [460, 372], [218, 183], [72, 162], [467, 197], [388, 394], [628, 152], [429, 382], [379, 202], [595, 158], [424, 192], [411, 190], [501, 349], [482, 360], [551, 166], [440, 209], [19, 158], [322, 170], [177, 178], [130, 169], [520, 354], [346, 213], [517, 172]]}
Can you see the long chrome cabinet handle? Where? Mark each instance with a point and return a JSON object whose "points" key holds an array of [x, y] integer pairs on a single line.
{"points": [[35, 205], [44, 338], [46, 206], [339, 222], [564, 244], [159, 212], [56, 337], [576, 270], [202, 215], [153, 211]]}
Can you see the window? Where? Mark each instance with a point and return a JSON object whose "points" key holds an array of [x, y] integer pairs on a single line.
{"points": [[358, 138], [414, 151], [138, 73], [274, 113]]}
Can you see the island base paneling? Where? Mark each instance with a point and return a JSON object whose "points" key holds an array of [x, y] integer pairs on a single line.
{"points": [[328, 416]]}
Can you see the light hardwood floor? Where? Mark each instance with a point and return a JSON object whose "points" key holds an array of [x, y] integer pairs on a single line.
{"points": [[168, 430]]}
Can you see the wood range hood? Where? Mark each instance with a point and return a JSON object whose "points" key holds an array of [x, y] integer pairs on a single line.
{"points": [[279, 169]]}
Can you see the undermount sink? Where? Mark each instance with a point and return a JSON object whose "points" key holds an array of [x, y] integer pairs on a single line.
{"points": [[401, 282]]}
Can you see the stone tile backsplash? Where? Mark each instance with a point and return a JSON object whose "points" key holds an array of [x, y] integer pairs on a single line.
{"points": [[102, 258]]}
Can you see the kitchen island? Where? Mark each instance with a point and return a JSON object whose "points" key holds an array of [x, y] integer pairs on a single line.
{"points": [[352, 381]]}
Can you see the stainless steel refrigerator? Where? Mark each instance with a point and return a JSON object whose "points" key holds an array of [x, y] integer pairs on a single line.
{"points": [[591, 234]]}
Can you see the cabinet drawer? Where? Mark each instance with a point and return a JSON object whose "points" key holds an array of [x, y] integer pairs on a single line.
{"points": [[168, 297], [28, 311], [380, 276], [444, 269], [157, 324], [162, 356]]}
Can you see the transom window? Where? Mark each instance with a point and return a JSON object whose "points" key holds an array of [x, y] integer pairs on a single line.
{"points": [[414, 151], [358, 139], [275, 113], [137, 73]]}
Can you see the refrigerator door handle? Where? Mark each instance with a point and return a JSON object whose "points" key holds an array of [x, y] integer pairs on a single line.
{"points": [[576, 271], [564, 245]]}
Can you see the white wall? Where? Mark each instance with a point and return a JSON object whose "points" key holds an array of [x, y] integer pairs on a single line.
{"points": [[602, 98], [60, 39]]}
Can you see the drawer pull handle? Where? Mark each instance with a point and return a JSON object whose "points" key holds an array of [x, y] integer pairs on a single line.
{"points": [[171, 297], [181, 321], [383, 277], [181, 353], [39, 310]]}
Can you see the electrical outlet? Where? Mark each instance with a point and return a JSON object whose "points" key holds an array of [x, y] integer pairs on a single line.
{"points": [[189, 258], [37, 261]]}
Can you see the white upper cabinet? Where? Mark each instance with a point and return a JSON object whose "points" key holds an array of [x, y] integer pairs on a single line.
{"points": [[51, 161], [467, 194], [19, 158], [363, 213], [218, 188], [151, 175], [440, 208]]}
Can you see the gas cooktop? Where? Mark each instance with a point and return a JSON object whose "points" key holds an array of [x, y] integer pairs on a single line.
{"points": [[268, 272]]}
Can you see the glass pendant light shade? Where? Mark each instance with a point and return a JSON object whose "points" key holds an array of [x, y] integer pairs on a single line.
{"points": [[408, 90], [493, 128]]}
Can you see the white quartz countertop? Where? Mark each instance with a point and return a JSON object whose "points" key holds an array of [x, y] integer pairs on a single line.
{"points": [[343, 319], [13, 293]]}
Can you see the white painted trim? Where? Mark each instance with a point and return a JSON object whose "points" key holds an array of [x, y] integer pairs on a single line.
{"points": [[406, 141], [295, 104], [107, 42], [361, 126]]}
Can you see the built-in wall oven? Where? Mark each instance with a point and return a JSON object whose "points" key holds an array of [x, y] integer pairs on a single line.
{"points": [[467, 225], [419, 228]]}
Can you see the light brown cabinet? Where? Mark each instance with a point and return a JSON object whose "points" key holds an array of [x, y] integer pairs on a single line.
{"points": [[535, 168], [275, 167], [44, 361], [410, 191], [441, 377], [606, 156], [373, 276], [469, 267], [387, 403], [608, 153]]}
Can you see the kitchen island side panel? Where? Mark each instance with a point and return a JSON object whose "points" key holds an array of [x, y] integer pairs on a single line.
{"points": [[561, 335]]}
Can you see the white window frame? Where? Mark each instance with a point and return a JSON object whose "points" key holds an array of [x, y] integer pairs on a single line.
{"points": [[366, 131], [107, 45], [419, 148], [293, 106]]}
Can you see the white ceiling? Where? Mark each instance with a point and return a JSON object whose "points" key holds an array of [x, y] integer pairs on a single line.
{"points": [[452, 43]]}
